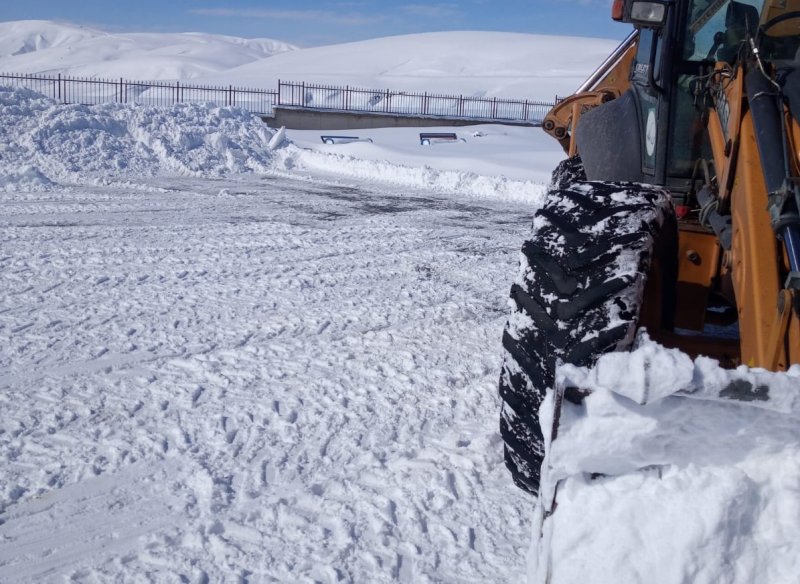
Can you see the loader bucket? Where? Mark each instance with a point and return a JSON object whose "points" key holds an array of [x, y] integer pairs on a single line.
{"points": [[698, 485]]}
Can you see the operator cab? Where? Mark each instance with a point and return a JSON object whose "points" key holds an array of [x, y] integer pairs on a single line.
{"points": [[677, 50]]}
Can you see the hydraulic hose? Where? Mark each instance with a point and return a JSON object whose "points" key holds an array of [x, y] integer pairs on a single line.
{"points": [[766, 108]]}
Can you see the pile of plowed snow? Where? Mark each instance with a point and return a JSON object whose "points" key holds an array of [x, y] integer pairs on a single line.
{"points": [[480, 184], [43, 143]]}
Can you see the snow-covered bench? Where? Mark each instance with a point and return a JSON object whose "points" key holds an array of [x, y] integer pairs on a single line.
{"points": [[428, 138], [343, 139]]}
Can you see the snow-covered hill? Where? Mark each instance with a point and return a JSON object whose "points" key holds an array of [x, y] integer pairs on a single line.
{"points": [[28, 36], [34, 46], [469, 63]]}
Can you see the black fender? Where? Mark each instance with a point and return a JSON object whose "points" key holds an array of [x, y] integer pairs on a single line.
{"points": [[609, 140]]}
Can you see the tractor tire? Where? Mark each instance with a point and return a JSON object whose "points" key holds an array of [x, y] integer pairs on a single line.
{"points": [[568, 171], [577, 295]]}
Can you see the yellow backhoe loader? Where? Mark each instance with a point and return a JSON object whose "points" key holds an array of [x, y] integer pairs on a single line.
{"points": [[675, 211]]}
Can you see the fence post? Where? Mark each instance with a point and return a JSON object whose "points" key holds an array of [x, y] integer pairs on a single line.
{"points": [[59, 87], [177, 92], [279, 93], [425, 103], [525, 111], [303, 96], [494, 108], [461, 106], [386, 102], [346, 97]]}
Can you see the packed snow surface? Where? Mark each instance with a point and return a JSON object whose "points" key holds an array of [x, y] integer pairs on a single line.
{"points": [[39, 46], [254, 379], [696, 483]]}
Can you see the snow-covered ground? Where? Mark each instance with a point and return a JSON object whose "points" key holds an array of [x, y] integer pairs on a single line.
{"points": [[228, 357], [254, 379]]}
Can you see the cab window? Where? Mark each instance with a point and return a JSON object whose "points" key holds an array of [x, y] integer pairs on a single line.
{"points": [[716, 28]]}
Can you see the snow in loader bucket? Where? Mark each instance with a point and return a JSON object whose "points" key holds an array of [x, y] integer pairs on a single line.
{"points": [[660, 468]]}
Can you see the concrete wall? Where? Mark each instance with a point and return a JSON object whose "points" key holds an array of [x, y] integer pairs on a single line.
{"points": [[307, 119]]}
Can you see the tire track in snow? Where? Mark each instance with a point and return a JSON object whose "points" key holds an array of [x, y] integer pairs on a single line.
{"points": [[322, 364]]}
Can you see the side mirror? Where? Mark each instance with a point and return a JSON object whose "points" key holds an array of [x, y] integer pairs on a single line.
{"points": [[647, 13]]}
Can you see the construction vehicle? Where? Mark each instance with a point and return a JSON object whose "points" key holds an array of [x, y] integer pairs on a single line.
{"points": [[677, 210]]}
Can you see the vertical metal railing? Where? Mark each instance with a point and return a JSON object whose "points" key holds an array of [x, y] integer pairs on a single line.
{"points": [[65, 89], [330, 97], [77, 90]]}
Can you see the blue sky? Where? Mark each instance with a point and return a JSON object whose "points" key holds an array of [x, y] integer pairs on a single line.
{"points": [[320, 22]]}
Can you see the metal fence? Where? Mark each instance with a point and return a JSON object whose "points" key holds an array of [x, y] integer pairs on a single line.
{"points": [[79, 90], [351, 99], [159, 93]]}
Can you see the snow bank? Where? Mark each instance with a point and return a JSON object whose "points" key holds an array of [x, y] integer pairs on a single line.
{"points": [[512, 163], [701, 484], [43, 143], [419, 177]]}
